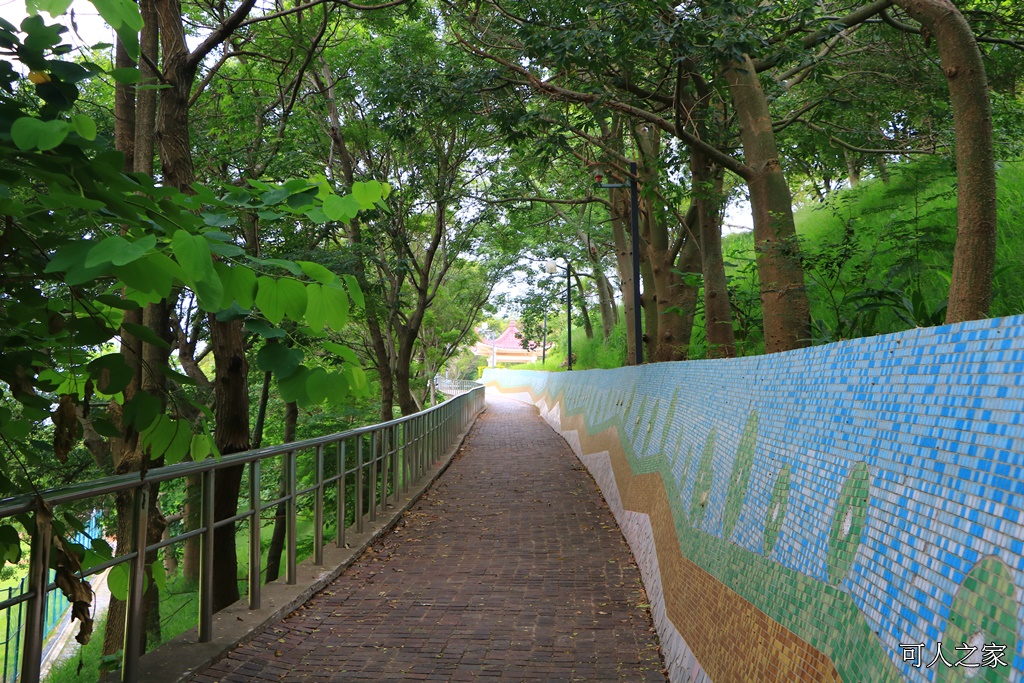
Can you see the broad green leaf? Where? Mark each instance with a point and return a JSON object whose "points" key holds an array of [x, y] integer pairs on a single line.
{"points": [[315, 271], [316, 309], [193, 254], [354, 291], [111, 373], [119, 251], [159, 435], [290, 266], [84, 126], [146, 334], [293, 295], [347, 354], [142, 410], [10, 544], [32, 133], [117, 581], [278, 359], [239, 284], [338, 389], [179, 446], [341, 209], [317, 386], [201, 447], [209, 291], [293, 388], [367, 194], [126, 75], [54, 8], [264, 330], [159, 575], [176, 376], [269, 299]]}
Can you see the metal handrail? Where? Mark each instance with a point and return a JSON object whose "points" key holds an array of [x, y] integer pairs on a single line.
{"points": [[401, 452], [453, 387]]}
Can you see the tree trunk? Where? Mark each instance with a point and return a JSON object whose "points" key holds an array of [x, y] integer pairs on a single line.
{"points": [[588, 328], [707, 188], [970, 290], [231, 413], [784, 304], [606, 299], [624, 263], [650, 305], [291, 418]]}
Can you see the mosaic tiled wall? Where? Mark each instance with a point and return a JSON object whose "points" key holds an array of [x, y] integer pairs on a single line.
{"points": [[846, 512]]}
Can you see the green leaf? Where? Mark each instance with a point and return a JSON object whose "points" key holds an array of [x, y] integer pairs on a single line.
{"points": [[293, 295], [54, 8], [290, 266], [159, 575], [32, 133], [269, 299], [179, 446], [316, 311], [341, 209], [142, 410], [347, 354], [209, 291], [239, 284], [159, 436], [326, 306], [317, 386], [111, 373], [119, 251], [10, 544], [117, 581], [367, 194], [177, 376], [84, 126], [146, 334], [315, 271], [278, 359], [193, 254], [201, 447], [338, 389], [354, 291], [264, 330], [293, 388]]}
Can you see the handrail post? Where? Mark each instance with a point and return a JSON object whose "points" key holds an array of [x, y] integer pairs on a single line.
{"points": [[385, 460], [359, 484], [135, 626], [255, 540], [318, 510], [39, 570], [373, 476], [291, 522], [206, 558], [342, 464]]}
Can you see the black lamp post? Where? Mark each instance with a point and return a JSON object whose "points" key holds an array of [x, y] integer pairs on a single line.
{"points": [[634, 197], [551, 267]]}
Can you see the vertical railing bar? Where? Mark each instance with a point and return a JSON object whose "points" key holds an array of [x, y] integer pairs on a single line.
{"points": [[291, 519], [341, 493], [318, 509], [39, 571], [359, 484], [135, 627], [385, 457], [206, 558], [373, 476], [255, 536]]}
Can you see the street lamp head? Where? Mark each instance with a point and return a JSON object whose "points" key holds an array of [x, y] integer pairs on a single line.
{"points": [[550, 267], [597, 170]]}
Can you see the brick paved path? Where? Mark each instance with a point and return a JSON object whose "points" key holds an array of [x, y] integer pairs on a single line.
{"points": [[511, 568]]}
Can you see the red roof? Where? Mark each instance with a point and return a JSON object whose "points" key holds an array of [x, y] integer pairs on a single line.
{"points": [[509, 340]]}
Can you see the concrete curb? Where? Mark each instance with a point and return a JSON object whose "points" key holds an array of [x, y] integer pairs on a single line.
{"points": [[182, 657]]}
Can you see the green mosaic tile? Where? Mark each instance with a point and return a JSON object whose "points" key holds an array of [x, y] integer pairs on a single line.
{"points": [[739, 480], [848, 523]]}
